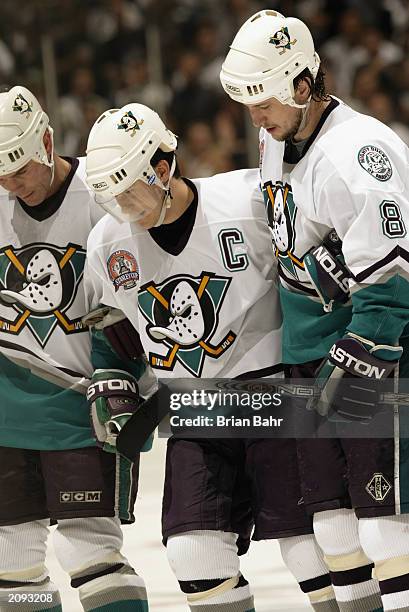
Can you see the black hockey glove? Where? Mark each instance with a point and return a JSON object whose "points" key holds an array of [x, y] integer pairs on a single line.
{"points": [[328, 274], [351, 379]]}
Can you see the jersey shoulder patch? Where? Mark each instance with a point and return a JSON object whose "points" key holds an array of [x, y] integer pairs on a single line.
{"points": [[366, 154]]}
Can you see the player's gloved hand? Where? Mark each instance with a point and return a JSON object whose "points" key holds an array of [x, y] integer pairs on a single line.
{"points": [[118, 330], [351, 378], [328, 274], [136, 433], [113, 396]]}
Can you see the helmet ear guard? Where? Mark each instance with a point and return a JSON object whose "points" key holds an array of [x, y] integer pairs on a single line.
{"points": [[267, 54], [23, 124]]}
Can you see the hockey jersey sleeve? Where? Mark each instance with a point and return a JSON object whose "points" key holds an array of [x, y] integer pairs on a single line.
{"points": [[98, 293], [368, 205]]}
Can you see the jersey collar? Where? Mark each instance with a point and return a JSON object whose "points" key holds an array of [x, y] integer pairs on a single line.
{"points": [[292, 154]]}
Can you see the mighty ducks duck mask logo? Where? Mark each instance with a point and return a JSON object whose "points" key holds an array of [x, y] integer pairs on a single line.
{"points": [[40, 282], [130, 123], [182, 314], [281, 215], [282, 40], [21, 105]]}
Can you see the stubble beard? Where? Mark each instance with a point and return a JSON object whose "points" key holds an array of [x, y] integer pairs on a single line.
{"points": [[292, 131]]}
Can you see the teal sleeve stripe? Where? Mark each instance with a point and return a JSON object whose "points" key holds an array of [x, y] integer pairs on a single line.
{"points": [[381, 312], [104, 357], [308, 331]]}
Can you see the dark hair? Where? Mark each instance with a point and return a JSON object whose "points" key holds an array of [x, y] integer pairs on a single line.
{"points": [[167, 156], [317, 87]]}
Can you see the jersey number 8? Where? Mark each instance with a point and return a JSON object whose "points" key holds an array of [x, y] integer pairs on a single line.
{"points": [[392, 224]]}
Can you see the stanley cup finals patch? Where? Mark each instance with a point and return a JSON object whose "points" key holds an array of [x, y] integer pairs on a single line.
{"points": [[123, 270]]}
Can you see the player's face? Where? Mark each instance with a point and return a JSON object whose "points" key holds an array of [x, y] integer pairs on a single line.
{"points": [[142, 202], [280, 120], [31, 183]]}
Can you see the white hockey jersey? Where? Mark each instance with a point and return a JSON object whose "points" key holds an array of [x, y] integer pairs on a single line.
{"points": [[44, 348], [210, 311], [353, 176]]}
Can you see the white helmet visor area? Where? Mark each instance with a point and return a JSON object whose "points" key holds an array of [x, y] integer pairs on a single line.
{"points": [[138, 200], [131, 205], [111, 206]]}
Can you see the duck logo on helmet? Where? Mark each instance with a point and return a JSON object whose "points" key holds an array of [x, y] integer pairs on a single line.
{"points": [[21, 105], [130, 123], [282, 40]]}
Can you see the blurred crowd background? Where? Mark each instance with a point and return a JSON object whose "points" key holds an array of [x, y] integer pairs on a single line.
{"points": [[81, 57]]}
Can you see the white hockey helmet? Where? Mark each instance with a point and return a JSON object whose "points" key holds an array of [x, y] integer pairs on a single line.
{"points": [[22, 126], [266, 55], [120, 146]]}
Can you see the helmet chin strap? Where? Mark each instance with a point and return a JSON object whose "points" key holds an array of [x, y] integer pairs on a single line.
{"points": [[166, 202], [51, 162], [42, 156], [167, 198], [45, 160], [304, 114], [294, 104]]}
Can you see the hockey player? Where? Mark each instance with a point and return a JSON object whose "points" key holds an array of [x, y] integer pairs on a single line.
{"points": [[206, 306], [330, 174], [50, 467]]}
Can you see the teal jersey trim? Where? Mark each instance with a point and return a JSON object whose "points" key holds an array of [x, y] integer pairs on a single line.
{"points": [[37, 414], [381, 311], [104, 357], [308, 331]]}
